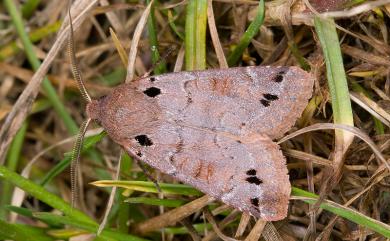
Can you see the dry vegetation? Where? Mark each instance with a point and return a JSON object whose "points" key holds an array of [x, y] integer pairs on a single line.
{"points": [[341, 168]]}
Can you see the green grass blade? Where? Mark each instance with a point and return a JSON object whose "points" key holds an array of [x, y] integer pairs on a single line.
{"points": [[143, 186], [345, 212], [172, 24], [20, 232], [29, 7], [337, 80], [41, 194], [200, 227], [92, 228], [160, 68], [124, 208], [28, 213], [195, 35], [35, 36], [64, 163], [156, 201], [12, 163], [249, 34]]}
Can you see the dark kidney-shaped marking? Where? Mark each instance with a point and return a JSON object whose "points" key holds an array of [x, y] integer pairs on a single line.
{"points": [[208, 129]]}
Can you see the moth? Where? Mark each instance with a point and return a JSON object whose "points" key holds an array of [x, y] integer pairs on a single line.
{"points": [[213, 130]]}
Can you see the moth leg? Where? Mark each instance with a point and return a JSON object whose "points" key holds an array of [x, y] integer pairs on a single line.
{"points": [[147, 173]]}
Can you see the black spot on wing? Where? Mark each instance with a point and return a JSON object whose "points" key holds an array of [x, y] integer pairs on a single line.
{"points": [[152, 92], [279, 76], [144, 140], [264, 102], [152, 79], [251, 172], [270, 97], [254, 180], [255, 201]]}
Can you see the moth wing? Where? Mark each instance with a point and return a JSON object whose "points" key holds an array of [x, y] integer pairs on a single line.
{"points": [[248, 173], [265, 100]]}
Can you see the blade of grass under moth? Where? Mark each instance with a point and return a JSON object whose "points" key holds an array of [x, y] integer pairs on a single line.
{"points": [[73, 216], [90, 227], [143, 186], [156, 201], [124, 208], [30, 214], [345, 212], [66, 234], [251, 32], [19, 232], [40, 193], [200, 227], [152, 34], [195, 35]]}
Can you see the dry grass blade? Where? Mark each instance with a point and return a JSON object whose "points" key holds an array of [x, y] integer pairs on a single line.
{"points": [[191, 230], [173, 216], [25, 75], [257, 230], [23, 105], [307, 157], [222, 224], [328, 126], [216, 229], [372, 107], [134, 43], [355, 10], [114, 20], [119, 47], [214, 36], [244, 221], [365, 56]]}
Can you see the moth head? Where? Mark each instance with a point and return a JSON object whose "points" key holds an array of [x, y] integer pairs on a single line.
{"points": [[94, 109]]}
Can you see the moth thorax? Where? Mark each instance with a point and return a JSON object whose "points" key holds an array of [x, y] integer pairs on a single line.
{"points": [[94, 110]]}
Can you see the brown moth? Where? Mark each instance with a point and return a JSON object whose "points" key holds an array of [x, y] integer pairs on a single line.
{"points": [[213, 130]]}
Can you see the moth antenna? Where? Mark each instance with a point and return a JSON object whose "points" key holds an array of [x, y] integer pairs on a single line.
{"points": [[142, 166], [75, 161], [158, 62], [75, 69]]}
